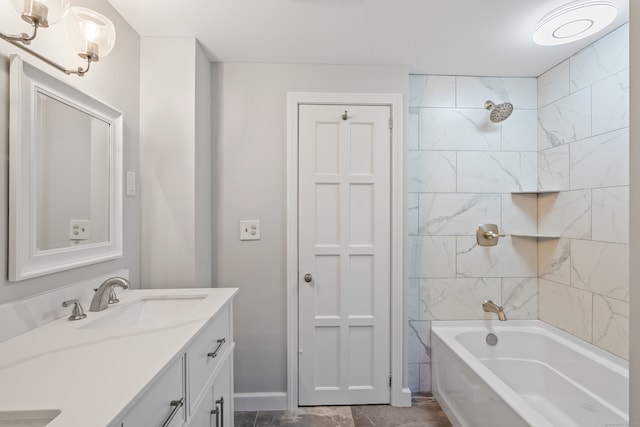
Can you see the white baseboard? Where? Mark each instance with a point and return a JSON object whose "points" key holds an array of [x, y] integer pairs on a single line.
{"points": [[260, 401], [278, 401], [405, 397]]}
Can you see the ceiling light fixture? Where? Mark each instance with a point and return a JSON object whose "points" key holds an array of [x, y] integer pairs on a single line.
{"points": [[574, 21], [91, 34]]}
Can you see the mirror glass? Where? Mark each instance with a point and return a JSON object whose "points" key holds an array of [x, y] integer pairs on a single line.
{"points": [[73, 176], [65, 176]]}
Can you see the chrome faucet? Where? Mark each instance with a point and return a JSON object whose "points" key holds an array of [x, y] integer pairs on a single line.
{"points": [[104, 293], [491, 307]]}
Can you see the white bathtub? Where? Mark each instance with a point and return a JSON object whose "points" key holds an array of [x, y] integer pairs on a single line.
{"points": [[536, 375]]}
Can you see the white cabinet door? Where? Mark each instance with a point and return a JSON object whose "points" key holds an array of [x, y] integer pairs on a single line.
{"points": [[344, 254], [203, 417], [164, 400], [222, 396], [216, 407]]}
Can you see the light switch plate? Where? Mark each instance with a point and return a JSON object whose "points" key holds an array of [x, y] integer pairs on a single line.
{"points": [[250, 230], [131, 183]]}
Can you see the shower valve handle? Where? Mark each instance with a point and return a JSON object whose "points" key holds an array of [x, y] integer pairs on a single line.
{"points": [[488, 234], [492, 235]]}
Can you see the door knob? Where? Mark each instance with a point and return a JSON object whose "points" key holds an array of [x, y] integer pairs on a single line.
{"points": [[308, 277]]}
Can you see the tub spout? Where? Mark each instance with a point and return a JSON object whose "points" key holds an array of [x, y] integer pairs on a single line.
{"points": [[491, 307]]}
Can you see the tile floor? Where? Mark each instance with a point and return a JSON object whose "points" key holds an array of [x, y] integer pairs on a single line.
{"points": [[425, 412]]}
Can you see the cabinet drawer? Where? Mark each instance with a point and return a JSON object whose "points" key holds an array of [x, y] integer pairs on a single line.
{"points": [[161, 401], [205, 353]]}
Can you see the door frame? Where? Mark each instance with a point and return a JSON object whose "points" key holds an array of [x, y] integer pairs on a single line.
{"points": [[400, 395]]}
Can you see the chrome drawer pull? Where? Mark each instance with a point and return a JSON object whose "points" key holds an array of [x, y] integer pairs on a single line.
{"points": [[216, 412], [221, 403], [177, 404], [214, 354]]}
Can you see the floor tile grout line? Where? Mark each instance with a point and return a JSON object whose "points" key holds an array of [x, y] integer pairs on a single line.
{"points": [[423, 406]]}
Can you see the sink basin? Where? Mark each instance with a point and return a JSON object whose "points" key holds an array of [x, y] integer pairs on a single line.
{"points": [[147, 313], [27, 418]]}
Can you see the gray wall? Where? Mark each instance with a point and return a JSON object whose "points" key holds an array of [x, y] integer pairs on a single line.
{"points": [[203, 142], [115, 81], [249, 179], [175, 171], [634, 208]]}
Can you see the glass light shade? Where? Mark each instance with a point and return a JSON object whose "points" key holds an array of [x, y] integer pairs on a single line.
{"points": [[574, 21], [44, 12], [91, 34]]}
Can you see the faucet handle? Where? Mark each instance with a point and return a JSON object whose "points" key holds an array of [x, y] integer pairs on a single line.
{"points": [[77, 313]]}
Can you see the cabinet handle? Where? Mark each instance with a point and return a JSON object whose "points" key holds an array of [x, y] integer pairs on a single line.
{"points": [[176, 404], [221, 403], [214, 353], [216, 412]]}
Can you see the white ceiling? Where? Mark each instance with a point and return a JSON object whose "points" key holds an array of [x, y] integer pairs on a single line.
{"points": [[461, 37]]}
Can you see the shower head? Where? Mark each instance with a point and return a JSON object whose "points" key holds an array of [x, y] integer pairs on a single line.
{"points": [[498, 113]]}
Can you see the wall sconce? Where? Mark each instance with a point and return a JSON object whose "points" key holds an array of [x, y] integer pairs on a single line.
{"points": [[91, 34]]}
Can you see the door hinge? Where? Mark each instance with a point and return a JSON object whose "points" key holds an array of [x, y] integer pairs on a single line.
{"points": [[390, 123], [389, 380]]}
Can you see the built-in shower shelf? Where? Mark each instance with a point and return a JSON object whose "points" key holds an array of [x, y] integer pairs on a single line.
{"points": [[536, 192], [535, 236]]}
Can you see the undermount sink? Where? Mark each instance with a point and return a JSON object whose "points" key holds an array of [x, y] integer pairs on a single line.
{"points": [[147, 313], [27, 418]]}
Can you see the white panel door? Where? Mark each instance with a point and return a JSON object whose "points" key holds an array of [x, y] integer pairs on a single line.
{"points": [[344, 251]]}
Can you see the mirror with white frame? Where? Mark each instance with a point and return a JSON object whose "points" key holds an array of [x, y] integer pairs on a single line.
{"points": [[65, 176]]}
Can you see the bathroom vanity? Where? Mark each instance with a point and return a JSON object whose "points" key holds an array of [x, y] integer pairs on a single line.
{"points": [[158, 358]]}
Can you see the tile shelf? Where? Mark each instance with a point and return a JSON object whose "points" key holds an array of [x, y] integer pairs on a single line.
{"points": [[535, 236], [536, 192]]}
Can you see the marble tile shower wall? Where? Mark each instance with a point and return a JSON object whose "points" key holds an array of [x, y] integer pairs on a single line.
{"points": [[569, 132], [583, 141], [462, 170]]}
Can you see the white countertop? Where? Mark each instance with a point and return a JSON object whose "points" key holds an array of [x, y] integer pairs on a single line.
{"points": [[93, 375]]}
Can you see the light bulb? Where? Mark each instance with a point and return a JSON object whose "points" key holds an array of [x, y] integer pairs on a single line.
{"points": [[41, 12], [91, 31], [91, 34]]}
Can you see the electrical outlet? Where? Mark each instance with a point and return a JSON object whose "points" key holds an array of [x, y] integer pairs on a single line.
{"points": [[79, 229], [250, 230]]}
